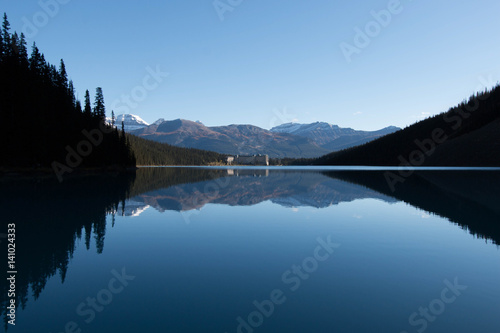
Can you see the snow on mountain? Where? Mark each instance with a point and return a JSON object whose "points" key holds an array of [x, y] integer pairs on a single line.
{"points": [[332, 137], [133, 208], [231, 139], [159, 121], [286, 140], [302, 129], [321, 132], [131, 122], [287, 128]]}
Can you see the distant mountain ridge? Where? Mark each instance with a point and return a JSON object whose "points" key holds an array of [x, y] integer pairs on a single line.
{"points": [[232, 139], [332, 137], [287, 140], [287, 189]]}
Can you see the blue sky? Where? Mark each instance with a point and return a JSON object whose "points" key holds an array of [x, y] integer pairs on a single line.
{"points": [[270, 62]]}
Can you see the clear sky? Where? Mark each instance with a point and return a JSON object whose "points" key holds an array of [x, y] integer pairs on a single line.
{"points": [[266, 62]]}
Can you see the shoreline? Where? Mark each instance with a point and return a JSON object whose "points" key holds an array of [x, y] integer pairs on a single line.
{"points": [[47, 173]]}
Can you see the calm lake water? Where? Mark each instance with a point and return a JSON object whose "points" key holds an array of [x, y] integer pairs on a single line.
{"points": [[256, 250]]}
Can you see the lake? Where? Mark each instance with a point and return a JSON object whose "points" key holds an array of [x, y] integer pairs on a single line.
{"points": [[255, 250]]}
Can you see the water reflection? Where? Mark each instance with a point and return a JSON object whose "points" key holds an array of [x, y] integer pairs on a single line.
{"points": [[242, 187], [51, 217], [467, 198]]}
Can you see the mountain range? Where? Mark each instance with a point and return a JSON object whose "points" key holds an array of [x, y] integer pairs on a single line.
{"points": [[332, 137], [250, 187], [287, 140], [466, 198]]}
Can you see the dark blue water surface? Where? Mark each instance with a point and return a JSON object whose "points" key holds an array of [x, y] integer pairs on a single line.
{"points": [[256, 250]]}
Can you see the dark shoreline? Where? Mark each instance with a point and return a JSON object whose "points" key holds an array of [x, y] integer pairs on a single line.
{"points": [[46, 173]]}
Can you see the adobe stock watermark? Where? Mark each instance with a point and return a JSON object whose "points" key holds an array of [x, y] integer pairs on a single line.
{"points": [[89, 308], [151, 81], [49, 10], [292, 280], [427, 146], [282, 116], [223, 6], [74, 156], [372, 29], [420, 320]]}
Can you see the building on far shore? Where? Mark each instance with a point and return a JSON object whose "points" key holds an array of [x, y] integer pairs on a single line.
{"points": [[248, 160]]}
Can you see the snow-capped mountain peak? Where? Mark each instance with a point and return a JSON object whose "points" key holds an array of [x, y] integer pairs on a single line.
{"points": [[287, 128], [330, 136], [131, 122], [159, 121]]}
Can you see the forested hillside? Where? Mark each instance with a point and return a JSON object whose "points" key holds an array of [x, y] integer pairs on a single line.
{"points": [[149, 152], [465, 135], [42, 124]]}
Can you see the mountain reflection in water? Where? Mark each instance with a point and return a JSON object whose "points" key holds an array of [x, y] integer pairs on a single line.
{"points": [[467, 198], [51, 217]]}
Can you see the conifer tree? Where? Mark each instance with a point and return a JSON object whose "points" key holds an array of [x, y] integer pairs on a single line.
{"points": [[14, 45], [87, 108], [99, 109], [5, 35], [78, 106], [62, 75], [122, 137], [36, 61], [23, 51], [71, 93]]}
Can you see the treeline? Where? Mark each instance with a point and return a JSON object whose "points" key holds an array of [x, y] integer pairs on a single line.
{"points": [[149, 152], [415, 145], [153, 179], [42, 122]]}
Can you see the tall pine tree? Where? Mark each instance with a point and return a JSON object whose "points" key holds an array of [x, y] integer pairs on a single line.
{"points": [[23, 51], [6, 36], [63, 75], [87, 111], [36, 61], [99, 109]]}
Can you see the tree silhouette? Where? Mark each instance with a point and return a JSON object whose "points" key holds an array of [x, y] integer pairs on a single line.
{"points": [[40, 96], [99, 109], [23, 51], [63, 75], [6, 36], [88, 109]]}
